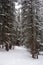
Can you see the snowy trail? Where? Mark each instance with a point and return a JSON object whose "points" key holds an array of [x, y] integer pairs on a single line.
{"points": [[19, 56]]}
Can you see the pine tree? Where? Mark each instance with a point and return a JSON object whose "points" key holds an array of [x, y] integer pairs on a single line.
{"points": [[1, 20], [25, 22], [30, 21], [8, 18]]}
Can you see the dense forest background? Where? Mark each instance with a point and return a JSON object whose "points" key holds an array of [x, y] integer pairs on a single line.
{"points": [[21, 20]]}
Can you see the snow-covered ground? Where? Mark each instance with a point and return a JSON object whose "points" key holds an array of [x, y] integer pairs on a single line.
{"points": [[19, 56]]}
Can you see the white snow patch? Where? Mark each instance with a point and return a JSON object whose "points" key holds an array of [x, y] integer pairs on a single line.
{"points": [[19, 56]]}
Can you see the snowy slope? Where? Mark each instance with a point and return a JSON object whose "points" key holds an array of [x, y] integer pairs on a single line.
{"points": [[18, 56]]}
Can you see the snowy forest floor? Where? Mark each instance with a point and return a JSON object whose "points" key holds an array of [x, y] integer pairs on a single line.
{"points": [[19, 56]]}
